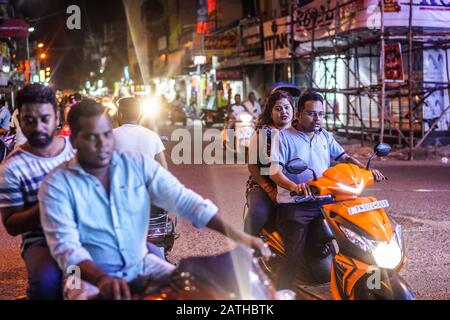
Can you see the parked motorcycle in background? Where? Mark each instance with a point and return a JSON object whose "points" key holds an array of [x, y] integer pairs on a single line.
{"points": [[7, 143], [211, 117]]}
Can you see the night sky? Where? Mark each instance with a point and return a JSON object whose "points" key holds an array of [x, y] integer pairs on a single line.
{"points": [[65, 46]]}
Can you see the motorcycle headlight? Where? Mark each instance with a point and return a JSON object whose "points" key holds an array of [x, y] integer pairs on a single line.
{"points": [[150, 107], [245, 117], [388, 255]]}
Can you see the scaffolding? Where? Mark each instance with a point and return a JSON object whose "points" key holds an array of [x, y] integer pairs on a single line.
{"points": [[348, 67]]}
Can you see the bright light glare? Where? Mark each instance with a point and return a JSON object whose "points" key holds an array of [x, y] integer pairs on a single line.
{"points": [[245, 117], [388, 255], [150, 107], [112, 108]]}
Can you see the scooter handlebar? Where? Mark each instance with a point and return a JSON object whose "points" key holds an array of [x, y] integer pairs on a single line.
{"points": [[311, 198]]}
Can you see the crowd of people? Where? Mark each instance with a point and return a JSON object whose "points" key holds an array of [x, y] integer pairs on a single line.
{"points": [[82, 196]]}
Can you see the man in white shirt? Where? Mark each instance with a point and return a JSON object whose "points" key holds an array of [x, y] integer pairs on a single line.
{"points": [[252, 106], [237, 107], [130, 136]]}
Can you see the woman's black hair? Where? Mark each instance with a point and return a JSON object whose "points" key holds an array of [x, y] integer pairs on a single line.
{"points": [[266, 116]]}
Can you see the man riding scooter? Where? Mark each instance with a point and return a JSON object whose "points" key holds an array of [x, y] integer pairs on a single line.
{"points": [[308, 141]]}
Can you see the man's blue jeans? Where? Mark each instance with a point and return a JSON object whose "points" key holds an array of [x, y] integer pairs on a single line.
{"points": [[260, 210], [44, 275]]}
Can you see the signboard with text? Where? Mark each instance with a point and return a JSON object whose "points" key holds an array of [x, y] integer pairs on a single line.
{"points": [[320, 18], [277, 39]]}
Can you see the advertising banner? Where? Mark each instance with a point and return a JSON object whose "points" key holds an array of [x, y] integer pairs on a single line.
{"points": [[320, 18], [393, 63], [435, 68], [13, 28]]}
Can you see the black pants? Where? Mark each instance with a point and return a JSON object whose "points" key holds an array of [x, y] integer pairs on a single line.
{"points": [[293, 222]]}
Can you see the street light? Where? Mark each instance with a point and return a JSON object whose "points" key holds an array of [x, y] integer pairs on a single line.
{"points": [[40, 45], [30, 29], [43, 55]]}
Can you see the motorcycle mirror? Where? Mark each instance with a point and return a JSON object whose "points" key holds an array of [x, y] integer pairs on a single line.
{"points": [[296, 166], [382, 149]]}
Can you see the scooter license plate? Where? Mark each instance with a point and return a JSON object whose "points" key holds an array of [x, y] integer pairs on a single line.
{"points": [[368, 207]]}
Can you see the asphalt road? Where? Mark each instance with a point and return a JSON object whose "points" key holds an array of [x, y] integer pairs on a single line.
{"points": [[418, 192]]}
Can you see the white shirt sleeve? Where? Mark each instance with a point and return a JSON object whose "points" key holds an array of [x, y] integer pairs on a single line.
{"points": [[158, 146]]}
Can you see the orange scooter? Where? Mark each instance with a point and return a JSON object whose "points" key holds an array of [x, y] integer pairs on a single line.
{"points": [[356, 251]]}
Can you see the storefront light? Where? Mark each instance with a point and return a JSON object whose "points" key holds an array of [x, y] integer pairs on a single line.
{"points": [[199, 60]]}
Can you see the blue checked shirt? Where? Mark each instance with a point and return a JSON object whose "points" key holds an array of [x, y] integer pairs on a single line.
{"points": [[81, 222]]}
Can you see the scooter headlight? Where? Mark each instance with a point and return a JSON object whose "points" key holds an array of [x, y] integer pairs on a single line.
{"points": [[245, 117], [388, 255]]}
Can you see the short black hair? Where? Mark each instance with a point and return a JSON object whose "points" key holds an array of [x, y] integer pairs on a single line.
{"points": [[308, 96], [129, 107], [86, 108], [36, 93]]}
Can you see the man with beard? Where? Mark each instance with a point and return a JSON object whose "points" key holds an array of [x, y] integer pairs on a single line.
{"points": [[317, 147], [20, 178], [94, 210]]}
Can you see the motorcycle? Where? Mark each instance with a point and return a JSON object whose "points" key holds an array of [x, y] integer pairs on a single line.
{"points": [[233, 275], [178, 114], [356, 251], [236, 134], [162, 228], [211, 117], [7, 143], [162, 232]]}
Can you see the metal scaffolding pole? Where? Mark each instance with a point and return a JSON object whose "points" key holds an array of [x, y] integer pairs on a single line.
{"points": [[382, 75], [410, 83]]}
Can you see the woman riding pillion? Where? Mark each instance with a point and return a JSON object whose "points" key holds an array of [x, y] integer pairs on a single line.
{"points": [[261, 191]]}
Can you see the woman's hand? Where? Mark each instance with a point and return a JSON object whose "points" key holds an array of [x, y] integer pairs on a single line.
{"points": [[271, 191]]}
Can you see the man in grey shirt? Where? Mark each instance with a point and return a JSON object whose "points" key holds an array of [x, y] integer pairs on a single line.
{"points": [[317, 147]]}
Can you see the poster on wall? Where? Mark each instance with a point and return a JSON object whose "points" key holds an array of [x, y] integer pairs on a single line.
{"points": [[434, 74], [277, 39], [393, 63]]}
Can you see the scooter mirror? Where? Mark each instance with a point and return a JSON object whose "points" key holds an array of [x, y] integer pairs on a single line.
{"points": [[382, 149], [296, 166]]}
